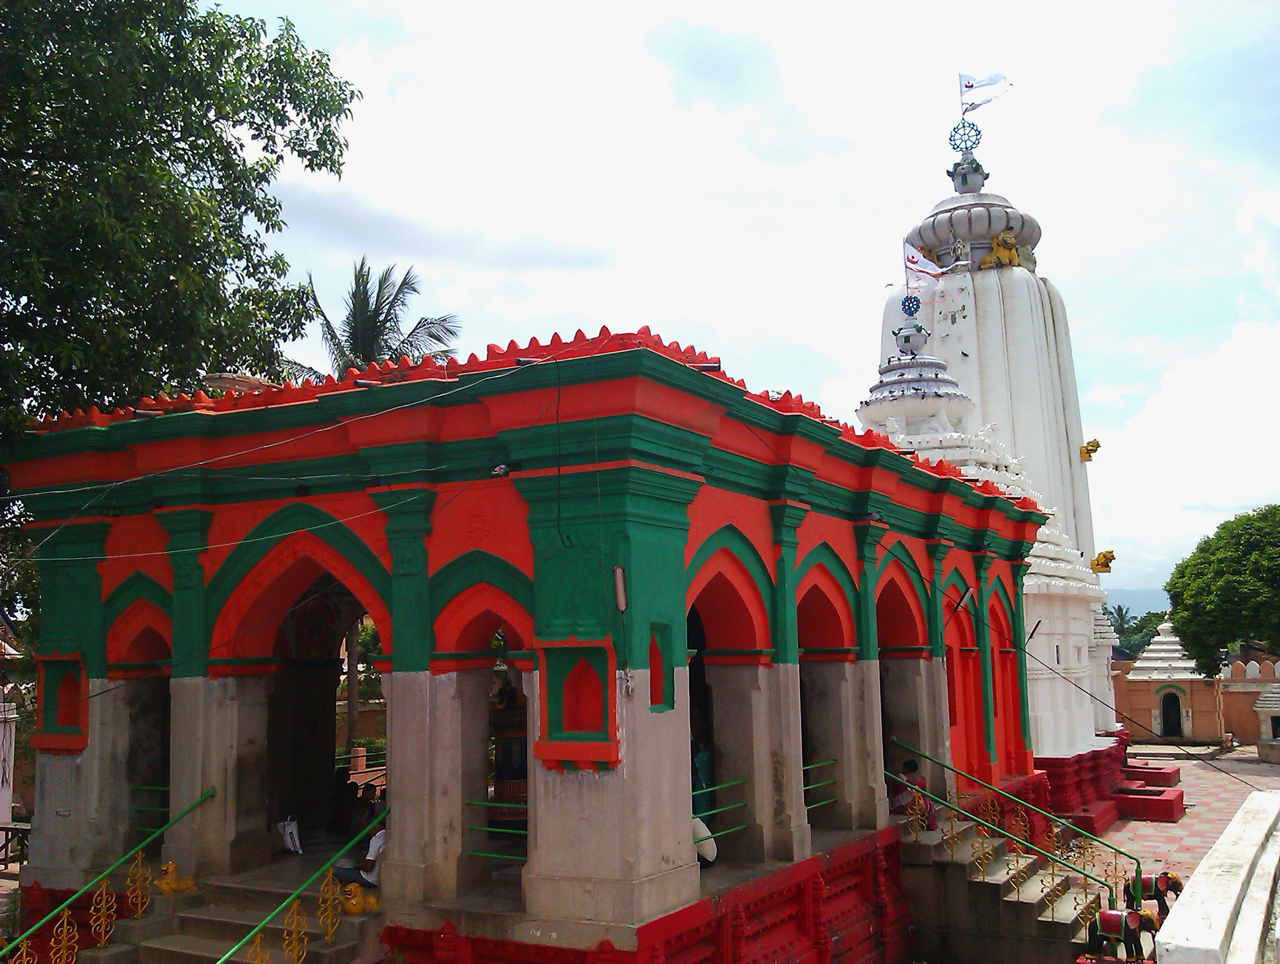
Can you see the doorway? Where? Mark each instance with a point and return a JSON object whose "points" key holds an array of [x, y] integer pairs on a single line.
{"points": [[303, 779], [147, 760], [1170, 715]]}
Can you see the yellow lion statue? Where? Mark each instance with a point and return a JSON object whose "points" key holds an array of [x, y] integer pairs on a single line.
{"points": [[1102, 561], [1004, 252], [356, 901], [171, 883]]}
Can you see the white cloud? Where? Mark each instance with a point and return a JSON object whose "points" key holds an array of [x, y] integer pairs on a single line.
{"points": [[1199, 451]]}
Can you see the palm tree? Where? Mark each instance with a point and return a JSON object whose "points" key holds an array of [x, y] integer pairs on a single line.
{"points": [[370, 330], [1121, 618]]}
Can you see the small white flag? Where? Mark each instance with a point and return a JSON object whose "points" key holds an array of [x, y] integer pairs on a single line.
{"points": [[921, 272], [974, 92]]}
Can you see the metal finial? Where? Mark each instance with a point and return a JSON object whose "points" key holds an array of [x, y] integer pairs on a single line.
{"points": [[965, 136]]}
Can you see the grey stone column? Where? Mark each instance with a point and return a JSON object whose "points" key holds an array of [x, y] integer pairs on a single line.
{"points": [[616, 845], [81, 818], [219, 740], [792, 839], [844, 725]]}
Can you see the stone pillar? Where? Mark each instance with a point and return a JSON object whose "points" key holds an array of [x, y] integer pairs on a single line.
{"points": [[437, 733], [914, 706], [219, 740], [81, 818], [844, 724], [616, 845]]}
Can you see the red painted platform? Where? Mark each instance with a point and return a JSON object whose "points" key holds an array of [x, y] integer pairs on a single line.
{"points": [[1161, 804], [1152, 774], [844, 906]]}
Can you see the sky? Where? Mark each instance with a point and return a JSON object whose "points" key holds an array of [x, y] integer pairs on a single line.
{"points": [[739, 176]]}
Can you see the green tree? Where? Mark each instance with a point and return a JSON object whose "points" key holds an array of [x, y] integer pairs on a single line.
{"points": [[370, 330], [1228, 590], [1120, 617], [139, 143]]}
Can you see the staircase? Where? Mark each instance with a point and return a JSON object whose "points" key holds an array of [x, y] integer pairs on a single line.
{"points": [[199, 928], [962, 918]]}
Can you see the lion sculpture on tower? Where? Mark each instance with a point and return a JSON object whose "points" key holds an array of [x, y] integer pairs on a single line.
{"points": [[1004, 252]]}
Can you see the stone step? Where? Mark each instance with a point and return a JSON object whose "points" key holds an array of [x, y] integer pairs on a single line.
{"points": [[258, 895], [190, 949], [232, 923]]}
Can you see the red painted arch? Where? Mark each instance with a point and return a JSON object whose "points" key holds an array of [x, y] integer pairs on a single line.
{"points": [[823, 618], [468, 621], [140, 634], [249, 620], [900, 621], [733, 614]]}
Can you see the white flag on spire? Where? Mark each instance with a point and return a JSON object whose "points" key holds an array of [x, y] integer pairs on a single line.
{"points": [[974, 92], [921, 272]]}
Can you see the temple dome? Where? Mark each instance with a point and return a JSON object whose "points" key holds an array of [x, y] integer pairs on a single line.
{"points": [[974, 219]]}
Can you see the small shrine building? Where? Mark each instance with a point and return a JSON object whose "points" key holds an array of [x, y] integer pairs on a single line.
{"points": [[669, 563]]}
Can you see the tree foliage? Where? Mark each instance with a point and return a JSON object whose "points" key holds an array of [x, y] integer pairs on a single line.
{"points": [[370, 329], [1120, 617], [139, 142], [1228, 589]]}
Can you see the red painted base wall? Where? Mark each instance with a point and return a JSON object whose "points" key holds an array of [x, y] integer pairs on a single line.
{"points": [[844, 906]]}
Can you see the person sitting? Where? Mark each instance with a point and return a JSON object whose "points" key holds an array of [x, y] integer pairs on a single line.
{"points": [[366, 807], [906, 799], [367, 873]]}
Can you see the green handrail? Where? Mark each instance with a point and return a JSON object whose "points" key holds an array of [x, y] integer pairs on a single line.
{"points": [[1137, 872], [211, 792], [1111, 891], [305, 884]]}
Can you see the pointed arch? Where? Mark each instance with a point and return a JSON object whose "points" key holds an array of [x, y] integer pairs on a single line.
{"points": [[478, 566], [729, 606], [246, 624], [901, 623], [136, 586], [824, 617], [465, 626], [823, 554], [137, 639], [298, 518], [1000, 616], [731, 541]]}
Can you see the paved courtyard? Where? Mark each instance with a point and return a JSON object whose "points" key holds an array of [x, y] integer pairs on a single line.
{"points": [[1212, 798]]}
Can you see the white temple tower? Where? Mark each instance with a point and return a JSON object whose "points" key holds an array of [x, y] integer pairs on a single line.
{"points": [[1001, 332]]}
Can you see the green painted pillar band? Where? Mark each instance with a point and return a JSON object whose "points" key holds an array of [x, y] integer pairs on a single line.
{"points": [[408, 514], [1020, 649], [71, 595], [188, 537], [935, 616], [981, 562], [786, 518], [867, 536]]}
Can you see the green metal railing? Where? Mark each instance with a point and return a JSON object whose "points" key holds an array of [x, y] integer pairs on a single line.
{"points": [[284, 905], [8, 948], [731, 806], [822, 783], [1137, 864], [1111, 891], [509, 830]]}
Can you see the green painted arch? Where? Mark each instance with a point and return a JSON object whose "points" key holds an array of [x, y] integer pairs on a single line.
{"points": [[271, 531], [135, 586], [899, 552], [956, 580], [822, 554], [997, 591], [475, 567], [730, 537], [1168, 687]]}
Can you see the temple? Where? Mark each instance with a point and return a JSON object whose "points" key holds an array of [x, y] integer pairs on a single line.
{"points": [[665, 562], [995, 394]]}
